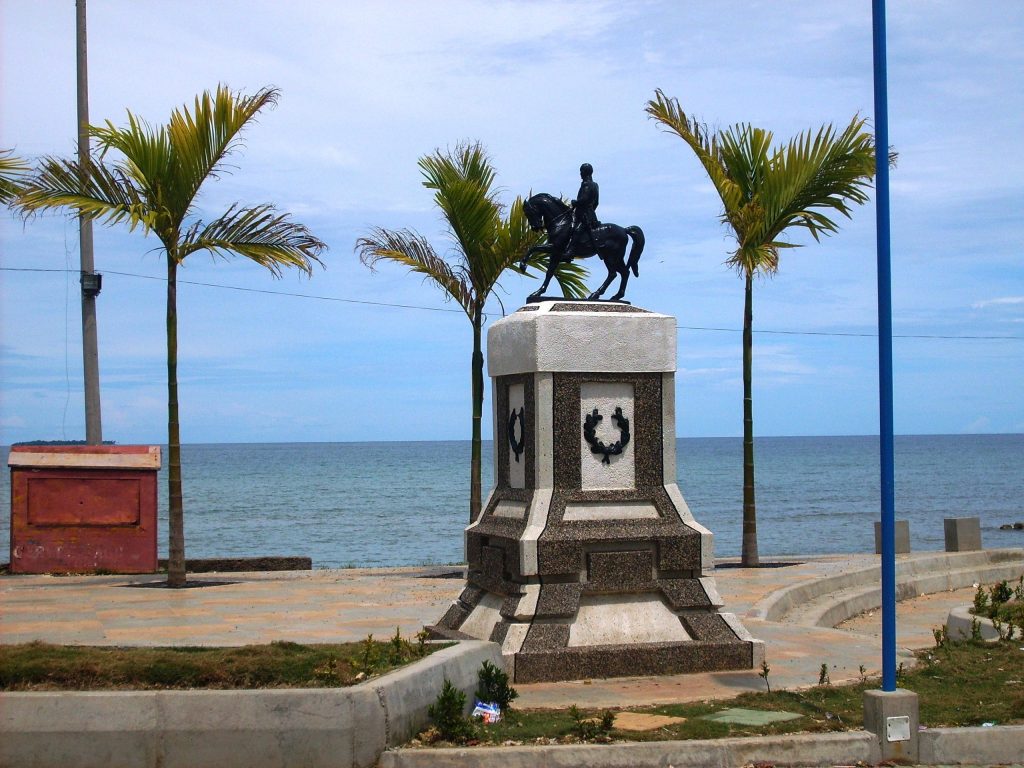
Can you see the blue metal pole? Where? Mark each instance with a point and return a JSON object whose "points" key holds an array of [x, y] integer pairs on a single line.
{"points": [[885, 432]]}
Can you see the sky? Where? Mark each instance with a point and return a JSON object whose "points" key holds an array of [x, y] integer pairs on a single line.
{"points": [[367, 88]]}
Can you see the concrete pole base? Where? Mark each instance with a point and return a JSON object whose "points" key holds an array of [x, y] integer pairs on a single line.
{"points": [[893, 717]]}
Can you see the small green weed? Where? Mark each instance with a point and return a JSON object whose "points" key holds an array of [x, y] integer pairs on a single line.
{"points": [[765, 669], [591, 728]]}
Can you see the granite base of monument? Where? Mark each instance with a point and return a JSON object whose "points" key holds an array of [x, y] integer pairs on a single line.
{"points": [[586, 561]]}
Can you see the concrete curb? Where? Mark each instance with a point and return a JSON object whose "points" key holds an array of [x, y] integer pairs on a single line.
{"points": [[276, 728], [938, 746], [915, 575], [870, 598], [803, 749], [960, 621], [975, 746]]}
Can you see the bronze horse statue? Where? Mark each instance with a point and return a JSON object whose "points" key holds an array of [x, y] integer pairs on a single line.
{"points": [[608, 241]]}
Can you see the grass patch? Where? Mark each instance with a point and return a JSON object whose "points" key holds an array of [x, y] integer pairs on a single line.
{"points": [[42, 667], [961, 684]]}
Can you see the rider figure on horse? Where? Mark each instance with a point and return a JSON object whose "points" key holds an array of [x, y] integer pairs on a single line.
{"points": [[584, 218]]}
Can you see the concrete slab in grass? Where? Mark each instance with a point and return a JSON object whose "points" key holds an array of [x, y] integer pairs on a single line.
{"points": [[750, 716], [639, 721]]}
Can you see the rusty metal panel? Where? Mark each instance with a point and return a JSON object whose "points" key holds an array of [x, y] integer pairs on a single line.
{"points": [[78, 499], [92, 510]]}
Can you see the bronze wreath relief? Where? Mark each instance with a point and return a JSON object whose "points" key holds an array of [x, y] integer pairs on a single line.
{"points": [[590, 423]]}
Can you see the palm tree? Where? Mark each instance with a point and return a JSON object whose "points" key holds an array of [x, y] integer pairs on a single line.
{"points": [[764, 192], [153, 183], [12, 173], [487, 243]]}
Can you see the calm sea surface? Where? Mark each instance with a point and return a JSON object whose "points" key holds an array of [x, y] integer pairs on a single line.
{"points": [[386, 504]]}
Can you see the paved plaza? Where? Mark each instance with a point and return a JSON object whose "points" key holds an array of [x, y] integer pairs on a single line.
{"points": [[347, 605]]}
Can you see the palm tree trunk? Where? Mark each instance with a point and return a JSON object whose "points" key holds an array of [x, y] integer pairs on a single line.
{"points": [[749, 555], [478, 407], [176, 515]]}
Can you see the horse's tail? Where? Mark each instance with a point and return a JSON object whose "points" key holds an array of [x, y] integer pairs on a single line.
{"points": [[638, 247]]}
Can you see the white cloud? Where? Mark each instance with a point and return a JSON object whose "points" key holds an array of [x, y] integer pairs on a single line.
{"points": [[980, 424], [1000, 302], [369, 88]]}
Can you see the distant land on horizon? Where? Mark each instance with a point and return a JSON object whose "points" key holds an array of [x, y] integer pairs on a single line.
{"points": [[59, 442]]}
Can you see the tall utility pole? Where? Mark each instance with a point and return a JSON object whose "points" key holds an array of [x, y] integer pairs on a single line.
{"points": [[91, 282]]}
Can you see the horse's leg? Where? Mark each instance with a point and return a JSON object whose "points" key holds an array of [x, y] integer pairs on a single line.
{"points": [[608, 280], [542, 248], [622, 286], [619, 259], [552, 266]]}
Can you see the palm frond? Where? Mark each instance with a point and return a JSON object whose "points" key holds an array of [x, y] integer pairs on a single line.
{"points": [[745, 153], [13, 171], [142, 156], [516, 237], [703, 142], [95, 191], [461, 180], [815, 173], [260, 233], [168, 164], [766, 190], [201, 139], [415, 252], [468, 161]]}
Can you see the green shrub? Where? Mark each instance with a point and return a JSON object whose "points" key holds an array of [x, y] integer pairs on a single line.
{"points": [[493, 686], [1000, 593], [980, 601], [447, 713]]}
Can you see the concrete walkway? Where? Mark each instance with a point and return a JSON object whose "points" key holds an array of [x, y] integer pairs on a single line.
{"points": [[347, 605]]}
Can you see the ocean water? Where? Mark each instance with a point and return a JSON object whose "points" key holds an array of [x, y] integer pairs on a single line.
{"points": [[388, 504]]}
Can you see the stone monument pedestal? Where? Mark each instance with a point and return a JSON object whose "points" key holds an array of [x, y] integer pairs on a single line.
{"points": [[586, 561]]}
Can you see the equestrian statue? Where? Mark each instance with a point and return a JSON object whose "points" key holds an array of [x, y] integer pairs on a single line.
{"points": [[573, 231]]}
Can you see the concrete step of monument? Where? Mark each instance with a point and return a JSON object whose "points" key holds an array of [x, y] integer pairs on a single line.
{"points": [[827, 601]]}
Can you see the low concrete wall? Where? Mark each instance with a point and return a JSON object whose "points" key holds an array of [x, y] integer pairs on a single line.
{"points": [[961, 620], [809, 749], [868, 598], [973, 746], [279, 728]]}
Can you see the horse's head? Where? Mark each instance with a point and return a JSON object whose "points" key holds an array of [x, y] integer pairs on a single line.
{"points": [[533, 214], [542, 208]]}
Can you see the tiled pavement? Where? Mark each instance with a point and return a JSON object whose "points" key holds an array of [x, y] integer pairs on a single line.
{"points": [[347, 605]]}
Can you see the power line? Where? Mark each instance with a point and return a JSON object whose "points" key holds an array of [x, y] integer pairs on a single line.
{"points": [[443, 309], [855, 335], [248, 290]]}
